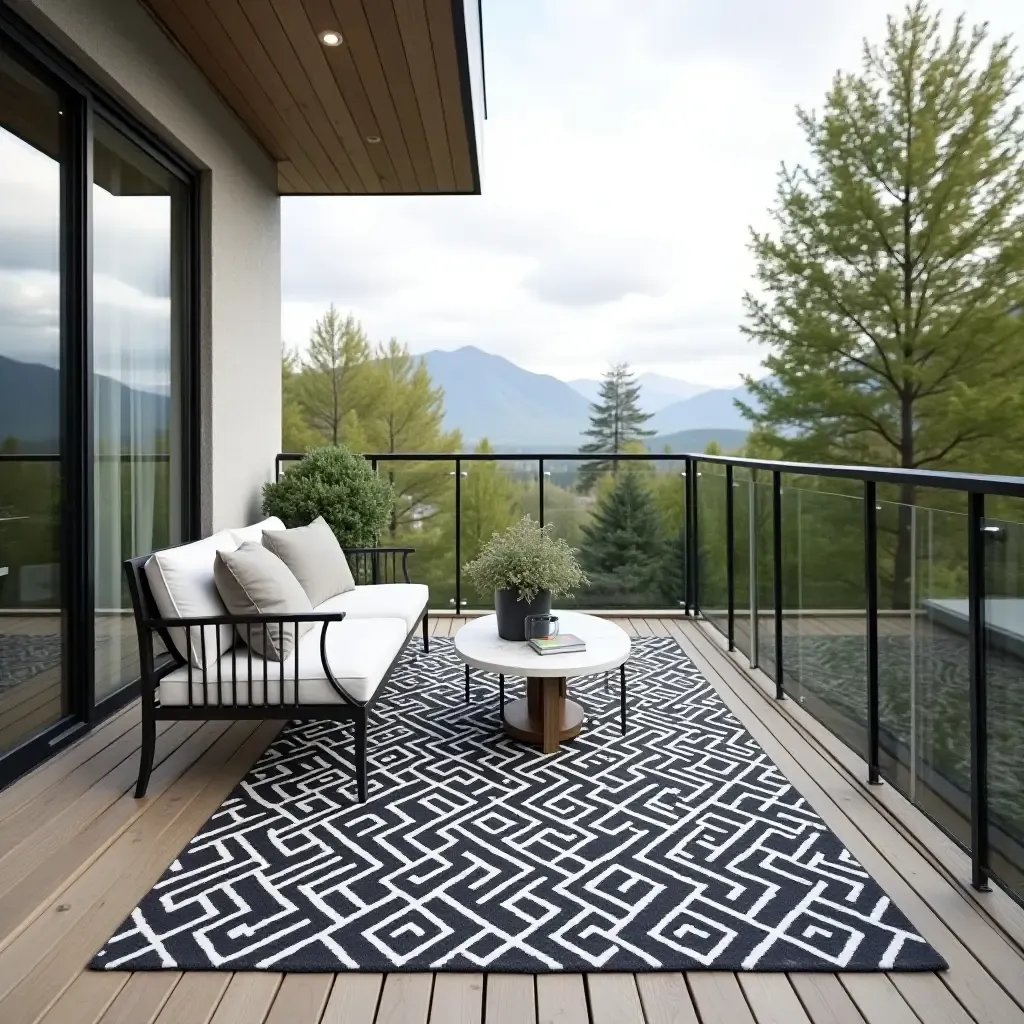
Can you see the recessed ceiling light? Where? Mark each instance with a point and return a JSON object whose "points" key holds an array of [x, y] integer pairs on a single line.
{"points": [[331, 38], [373, 139]]}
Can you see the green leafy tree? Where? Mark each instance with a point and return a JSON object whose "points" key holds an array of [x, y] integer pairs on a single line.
{"points": [[616, 421], [491, 502], [296, 433], [336, 382], [408, 416], [623, 546], [890, 288]]}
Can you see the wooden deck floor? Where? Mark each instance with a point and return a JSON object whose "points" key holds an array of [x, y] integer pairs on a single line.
{"points": [[77, 852]]}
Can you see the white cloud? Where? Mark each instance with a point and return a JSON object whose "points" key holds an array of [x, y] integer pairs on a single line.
{"points": [[630, 145]]}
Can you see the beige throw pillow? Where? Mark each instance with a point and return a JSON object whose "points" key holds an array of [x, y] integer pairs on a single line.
{"points": [[254, 581], [315, 557]]}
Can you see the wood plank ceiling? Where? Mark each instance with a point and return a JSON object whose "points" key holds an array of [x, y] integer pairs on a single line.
{"points": [[384, 112]]}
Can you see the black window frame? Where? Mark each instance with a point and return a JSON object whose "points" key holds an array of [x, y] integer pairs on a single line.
{"points": [[83, 101]]}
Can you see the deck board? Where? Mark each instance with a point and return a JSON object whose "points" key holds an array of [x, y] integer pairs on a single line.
{"points": [[916, 887], [99, 851]]}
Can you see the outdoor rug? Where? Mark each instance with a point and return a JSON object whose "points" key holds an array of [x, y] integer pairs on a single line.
{"points": [[678, 846]]}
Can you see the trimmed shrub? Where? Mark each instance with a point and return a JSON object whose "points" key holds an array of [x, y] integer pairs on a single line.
{"points": [[340, 486]]}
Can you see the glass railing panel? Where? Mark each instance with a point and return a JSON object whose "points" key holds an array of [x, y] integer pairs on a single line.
{"points": [[424, 519], [626, 520], [923, 675], [495, 494], [825, 620], [764, 574], [1004, 656], [743, 632], [712, 535]]}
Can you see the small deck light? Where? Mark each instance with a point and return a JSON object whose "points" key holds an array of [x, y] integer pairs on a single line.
{"points": [[331, 38]]}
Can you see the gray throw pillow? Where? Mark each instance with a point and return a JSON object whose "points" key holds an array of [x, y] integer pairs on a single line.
{"points": [[315, 557], [254, 581]]}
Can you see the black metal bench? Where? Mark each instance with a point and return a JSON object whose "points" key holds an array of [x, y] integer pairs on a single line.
{"points": [[369, 566]]}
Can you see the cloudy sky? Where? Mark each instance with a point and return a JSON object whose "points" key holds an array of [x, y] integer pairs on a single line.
{"points": [[630, 145]]}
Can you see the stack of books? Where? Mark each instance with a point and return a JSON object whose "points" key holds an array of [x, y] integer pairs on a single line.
{"points": [[562, 643]]}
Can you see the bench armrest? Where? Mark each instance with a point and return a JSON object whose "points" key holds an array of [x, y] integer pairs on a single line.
{"points": [[380, 564], [242, 620]]}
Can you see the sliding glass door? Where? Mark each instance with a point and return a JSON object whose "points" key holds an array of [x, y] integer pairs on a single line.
{"points": [[139, 231], [33, 690], [98, 426]]}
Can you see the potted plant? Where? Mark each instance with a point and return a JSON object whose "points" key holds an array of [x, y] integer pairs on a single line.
{"points": [[525, 566], [339, 485]]}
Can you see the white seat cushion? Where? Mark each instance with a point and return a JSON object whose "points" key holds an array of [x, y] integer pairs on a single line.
{"points": [[401, 600], [255, 532], [181, 579], [359, 652]]}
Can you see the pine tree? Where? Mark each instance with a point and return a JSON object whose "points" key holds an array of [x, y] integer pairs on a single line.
{"points": [[334, 385], [623, 548], [891, 286], [616, 422]]}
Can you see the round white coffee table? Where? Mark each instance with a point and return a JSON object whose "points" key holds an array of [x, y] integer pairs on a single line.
{"points": [[545, 716]]}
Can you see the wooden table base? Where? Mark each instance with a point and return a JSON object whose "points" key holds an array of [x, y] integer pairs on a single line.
{"points": [[545, 716]]}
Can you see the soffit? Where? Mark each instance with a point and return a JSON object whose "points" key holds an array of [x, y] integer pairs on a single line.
{"points": [[400, 77]]}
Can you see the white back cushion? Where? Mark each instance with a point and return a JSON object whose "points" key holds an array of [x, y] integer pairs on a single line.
{"points": [[255, 532], [181, 579]]}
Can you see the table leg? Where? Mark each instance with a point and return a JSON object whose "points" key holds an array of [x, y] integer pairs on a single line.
{"points": [[545, 716], [551, 717]]}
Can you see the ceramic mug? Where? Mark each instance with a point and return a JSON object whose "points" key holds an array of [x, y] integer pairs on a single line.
{"points": [[542, 625]]}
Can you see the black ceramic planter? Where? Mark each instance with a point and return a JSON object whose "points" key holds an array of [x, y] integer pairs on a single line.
{"points": [[512, 612]]}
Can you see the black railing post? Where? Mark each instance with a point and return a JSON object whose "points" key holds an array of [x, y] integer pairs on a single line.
{"points": [[540, 490], [729, 557], [696, 538], [871, 595], [777, 578], [978, 691], [687, 538], [458, 536]]}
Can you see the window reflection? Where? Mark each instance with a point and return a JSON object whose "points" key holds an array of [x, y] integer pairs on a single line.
{"points": [[32, 685]]}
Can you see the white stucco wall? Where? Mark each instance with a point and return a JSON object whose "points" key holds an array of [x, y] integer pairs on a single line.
{"points": [[120, 45]]}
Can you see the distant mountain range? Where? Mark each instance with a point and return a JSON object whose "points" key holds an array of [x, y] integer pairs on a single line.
{"points": [[658, 391], [710, 410], [489, 396], [485, 396]]}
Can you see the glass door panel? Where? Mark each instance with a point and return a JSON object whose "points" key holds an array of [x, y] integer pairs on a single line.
{"points": [[33, 689], [139, 232]]}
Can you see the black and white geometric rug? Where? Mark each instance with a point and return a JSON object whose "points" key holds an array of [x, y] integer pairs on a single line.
{"points": [[678, 846]]}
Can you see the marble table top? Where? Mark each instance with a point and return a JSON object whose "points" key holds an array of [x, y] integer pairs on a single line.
{"points": [[477, 643]]}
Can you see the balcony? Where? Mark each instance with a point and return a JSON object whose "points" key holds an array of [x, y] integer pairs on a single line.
{"points": [[911, 761]]}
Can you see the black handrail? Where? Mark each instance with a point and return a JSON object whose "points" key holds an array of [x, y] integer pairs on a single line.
{"points": [[973, 486], [969, 483]]}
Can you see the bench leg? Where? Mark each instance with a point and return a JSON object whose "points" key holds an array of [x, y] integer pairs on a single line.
{"points": [[148, 750], [426, 635], [622, 695], [501, 694], [360, 756]]}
